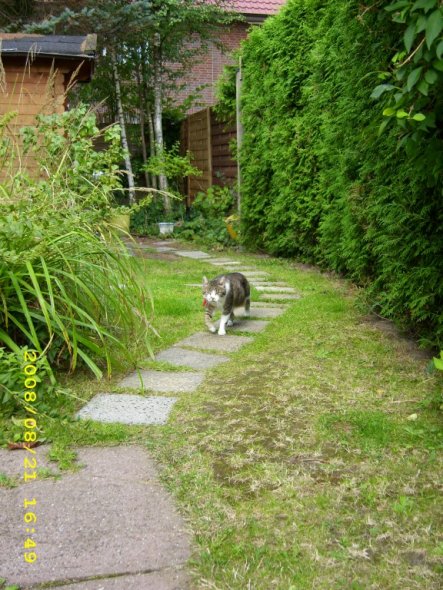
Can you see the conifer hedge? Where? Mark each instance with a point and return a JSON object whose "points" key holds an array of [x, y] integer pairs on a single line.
{"points": [[320, 181]]}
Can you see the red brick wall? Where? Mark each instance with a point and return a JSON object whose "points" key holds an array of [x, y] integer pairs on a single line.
{"points": [[208, 70]]}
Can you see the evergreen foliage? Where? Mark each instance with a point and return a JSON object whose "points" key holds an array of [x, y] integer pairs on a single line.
{"points": [[320, 180]]}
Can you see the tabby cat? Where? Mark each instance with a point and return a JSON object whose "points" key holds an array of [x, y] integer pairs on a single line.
{"points": [[225, 292]]}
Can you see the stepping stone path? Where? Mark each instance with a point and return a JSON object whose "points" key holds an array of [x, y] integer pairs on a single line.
{"points": [[111, 525], [196, 354], [108, 526]]}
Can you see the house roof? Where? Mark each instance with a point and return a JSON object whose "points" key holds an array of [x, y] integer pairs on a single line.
{"points": [[65, 46], [258, 7]]}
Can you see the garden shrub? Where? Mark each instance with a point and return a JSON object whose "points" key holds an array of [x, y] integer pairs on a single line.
{"points": [[68, 289], [321, 180], [207, 217]]}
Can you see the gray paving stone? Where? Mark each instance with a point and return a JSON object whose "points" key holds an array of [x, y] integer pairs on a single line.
{"points": [[181, 357], [262, 283], [164, 243], [165, 249], [269, 304], [166, 579], [163, 381], [196, 254], [272, 289], [122, 408], [230, 263], [112, 517], [255, 274], [280, 296], [209, 341], [266, 312], [195, 285], [220, 260], [253, 326]]}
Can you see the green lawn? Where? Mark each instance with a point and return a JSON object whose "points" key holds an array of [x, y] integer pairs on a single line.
{"points": [[311, 460]]}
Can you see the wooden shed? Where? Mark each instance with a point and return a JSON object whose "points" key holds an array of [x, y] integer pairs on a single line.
{"points": [[36, 71]]}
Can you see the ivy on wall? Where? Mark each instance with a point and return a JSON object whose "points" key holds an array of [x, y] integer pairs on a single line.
{"points": [[322, 180]]}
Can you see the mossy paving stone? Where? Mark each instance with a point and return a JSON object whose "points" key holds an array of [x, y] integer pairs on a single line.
{"points": [[194, 359], [162, 381], [209, 341], [111, 517]]}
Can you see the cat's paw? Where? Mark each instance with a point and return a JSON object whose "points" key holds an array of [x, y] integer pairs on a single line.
{"points": [[230, 323], [222, 332], [213, 329]]}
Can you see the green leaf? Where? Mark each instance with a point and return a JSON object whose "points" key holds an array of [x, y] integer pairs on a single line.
{"points": [[431, 77], [419, 117], [426, 4], [439, 362], [438, 65], [380, 89], [389, 112], [397, 5], [401, 114], [434, 27], [423, 87], [409, 36], [413, 78], [439, 50]]}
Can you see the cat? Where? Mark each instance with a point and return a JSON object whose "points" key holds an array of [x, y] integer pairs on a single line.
{"points": [[225, 292]]}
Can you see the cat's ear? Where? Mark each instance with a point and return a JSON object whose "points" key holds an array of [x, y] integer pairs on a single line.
{"points": [[205, 281], [221, 280]]}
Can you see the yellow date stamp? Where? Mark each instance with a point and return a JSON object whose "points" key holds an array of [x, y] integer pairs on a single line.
{"points": [[30, 462]]}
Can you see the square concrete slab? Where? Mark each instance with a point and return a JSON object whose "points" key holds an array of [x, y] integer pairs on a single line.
{"points": [[261, 283], [253, 274], [269, 304], [165, 249], [209, 341], [266, 312], [197, 254], [163, 381], [122, 408], [164, 243], [166, 579], [181, 357], [253, 326], [272, 289], [110, 518], [279, 296], [226, 263]]}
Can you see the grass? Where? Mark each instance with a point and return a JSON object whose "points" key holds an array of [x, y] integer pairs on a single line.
{"points": [[311, 460]]}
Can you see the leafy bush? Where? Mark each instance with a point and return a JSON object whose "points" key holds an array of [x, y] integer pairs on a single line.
{"points": [[12, 379], [207, 215], [67, 286], [320, 182]]}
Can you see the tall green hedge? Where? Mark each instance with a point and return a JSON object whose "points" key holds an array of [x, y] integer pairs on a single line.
{"points": [[319, 181]]}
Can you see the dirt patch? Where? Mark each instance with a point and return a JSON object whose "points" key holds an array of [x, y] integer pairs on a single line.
{"points": [[405, 339]]}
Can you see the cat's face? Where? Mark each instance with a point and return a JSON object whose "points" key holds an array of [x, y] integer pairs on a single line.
{"points": [[214, 291]]}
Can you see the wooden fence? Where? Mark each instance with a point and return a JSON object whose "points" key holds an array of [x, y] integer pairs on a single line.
{"points": [[208, 141]]}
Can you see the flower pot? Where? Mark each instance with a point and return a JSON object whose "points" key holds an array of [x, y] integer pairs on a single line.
{"points": [[166, 227]]}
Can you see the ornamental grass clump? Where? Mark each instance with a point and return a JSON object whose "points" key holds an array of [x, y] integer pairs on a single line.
{"points": [[67, 286]]}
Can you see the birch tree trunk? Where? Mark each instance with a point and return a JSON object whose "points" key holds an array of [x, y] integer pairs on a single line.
{"points": [[141, 106], [121, 120], [158, 116]]}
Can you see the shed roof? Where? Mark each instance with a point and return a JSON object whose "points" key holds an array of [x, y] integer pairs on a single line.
{"points": [[258, 7], [65, 46]]}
